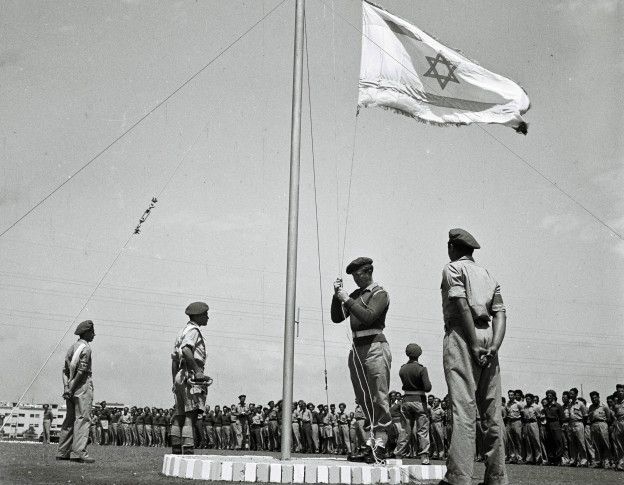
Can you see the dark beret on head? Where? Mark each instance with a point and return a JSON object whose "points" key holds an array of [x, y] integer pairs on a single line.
{"points": [[461, 237], [84, 327], [357, 263], [413, 351], [196, 308]]}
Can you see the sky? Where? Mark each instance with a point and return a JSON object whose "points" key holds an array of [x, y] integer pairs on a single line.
{"points": [[76, 75]]}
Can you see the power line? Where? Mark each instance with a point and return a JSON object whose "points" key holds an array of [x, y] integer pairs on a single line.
{"points": [[140, 120], [519, 157]]}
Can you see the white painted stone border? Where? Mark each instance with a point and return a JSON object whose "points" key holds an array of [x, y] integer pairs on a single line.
{"points": [[266, 469]]}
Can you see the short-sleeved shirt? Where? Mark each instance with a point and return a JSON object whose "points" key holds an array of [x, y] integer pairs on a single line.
{"points": [[599, 413], [83, 362], [515, 410], [464, 278], [530, 413], [437, 414], [578, 411], [191, 337], [306, 416], [618, 410]]}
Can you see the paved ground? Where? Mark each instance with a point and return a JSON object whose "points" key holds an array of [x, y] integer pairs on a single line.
{"points": [[35, 464]]}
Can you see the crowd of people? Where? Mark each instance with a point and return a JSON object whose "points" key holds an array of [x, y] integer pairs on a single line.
{"points": [[538, 431]]}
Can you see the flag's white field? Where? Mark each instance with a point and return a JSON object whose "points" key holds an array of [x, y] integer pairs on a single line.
{"points": [[408, 71]]}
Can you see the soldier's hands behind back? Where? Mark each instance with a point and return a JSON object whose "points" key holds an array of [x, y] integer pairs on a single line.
{"points": [[479, 354]]}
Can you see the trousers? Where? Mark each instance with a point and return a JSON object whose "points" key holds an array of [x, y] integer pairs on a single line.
{"points": [[415, 413], [75, 429], [473, 389], [369, 367]]}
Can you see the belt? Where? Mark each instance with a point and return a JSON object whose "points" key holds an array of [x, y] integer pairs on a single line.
{"points": [[415, 393], [366, 333]]}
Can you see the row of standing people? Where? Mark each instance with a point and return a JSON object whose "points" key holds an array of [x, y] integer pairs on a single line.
{"points": [[573, 433]]}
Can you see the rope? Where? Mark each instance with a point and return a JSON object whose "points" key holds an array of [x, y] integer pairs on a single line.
{"points": [[318, 239], [145, 116], [344, 241], [500, 142]]}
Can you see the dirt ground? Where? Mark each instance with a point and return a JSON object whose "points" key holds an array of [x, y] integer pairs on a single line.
{"points": [[36, 464]]}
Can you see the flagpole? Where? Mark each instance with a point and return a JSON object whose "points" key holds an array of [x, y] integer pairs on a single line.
{"points": [[293, 216]]}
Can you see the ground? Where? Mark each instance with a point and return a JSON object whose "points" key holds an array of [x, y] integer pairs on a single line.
{"points": [[35, 464]]}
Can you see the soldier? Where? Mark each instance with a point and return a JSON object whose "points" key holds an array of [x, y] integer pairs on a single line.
{"points": [[514, 417], [437, 428], [342, 419], [400, 425], [416, 385], [600, 416], [78, 395], [618, 432], [530, 414], [104, 414], [316, 427], [126, 421], [273, 426], [188, 361], [241, 411], [475, 324], [554, 436], [48, 417], [307, 417], [370, 358], [578, 414]]}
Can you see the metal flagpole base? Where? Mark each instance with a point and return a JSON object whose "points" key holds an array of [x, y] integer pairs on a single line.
{"points": [[266, 469]]}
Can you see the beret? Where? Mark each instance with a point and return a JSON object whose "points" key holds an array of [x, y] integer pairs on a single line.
{"points": [[357, 263], [196, 308], [413, 351], [463, 238], [84, 327]]}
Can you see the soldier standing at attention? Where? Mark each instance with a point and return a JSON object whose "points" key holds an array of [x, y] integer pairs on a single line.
{"points": [[578, 414], [618, 430], [48, 417], [416, 385], [554, 436], [369, 358], [188, 361], [475, 324], [78, 395], [600, 416], [342, 419]]}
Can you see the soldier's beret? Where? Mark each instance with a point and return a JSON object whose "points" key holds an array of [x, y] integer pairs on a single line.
{"points": [[413, 351], [462, 237], [196, 308], [84, 327], [357, 263]]}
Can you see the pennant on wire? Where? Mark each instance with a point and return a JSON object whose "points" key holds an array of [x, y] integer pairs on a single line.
{"points": [[405, 70]]}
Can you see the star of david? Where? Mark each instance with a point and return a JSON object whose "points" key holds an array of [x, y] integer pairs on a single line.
{"points": [[433, 72]]}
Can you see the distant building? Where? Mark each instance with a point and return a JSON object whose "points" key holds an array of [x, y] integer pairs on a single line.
{"points": [[28, 416]]}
